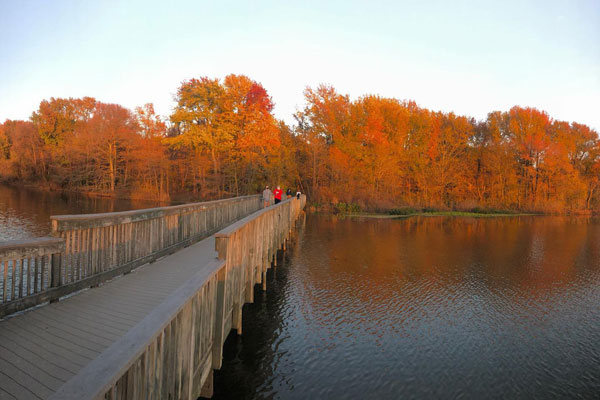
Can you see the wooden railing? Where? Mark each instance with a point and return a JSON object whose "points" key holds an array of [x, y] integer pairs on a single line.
{"points": [[171, 354], [249, 247], [27, 269], [89, 249]]}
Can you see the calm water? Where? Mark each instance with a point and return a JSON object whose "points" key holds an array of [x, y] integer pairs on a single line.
{"points": [[425, 308], [415, 308], [25, 213]]}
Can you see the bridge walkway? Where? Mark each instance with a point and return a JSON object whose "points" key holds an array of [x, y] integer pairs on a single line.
{"points": [[43, 348]]}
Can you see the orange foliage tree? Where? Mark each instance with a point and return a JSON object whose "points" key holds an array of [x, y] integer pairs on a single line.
{"points": [[383, 153], [231, 124], [379, 153]]}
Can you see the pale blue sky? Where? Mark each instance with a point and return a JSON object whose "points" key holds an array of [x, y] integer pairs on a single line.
{"points": [[470, 57]]}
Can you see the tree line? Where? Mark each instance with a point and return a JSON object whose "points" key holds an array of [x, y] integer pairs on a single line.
{"points": [[222, 139]]}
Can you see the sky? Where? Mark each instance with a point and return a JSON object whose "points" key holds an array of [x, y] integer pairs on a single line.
{"points": [[468, 57]]}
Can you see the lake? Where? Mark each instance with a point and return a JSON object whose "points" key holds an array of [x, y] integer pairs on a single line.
{"points": [[425, 307], [25, 213]]}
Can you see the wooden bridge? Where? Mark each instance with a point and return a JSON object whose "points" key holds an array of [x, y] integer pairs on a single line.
{"points": [[136, 304]]}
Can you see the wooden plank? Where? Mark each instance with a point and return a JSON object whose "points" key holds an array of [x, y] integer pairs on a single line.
{"points": [[69, 275], [24, 343], [150, 372], [98, 336], [82, 221], [29, 276], [88, 316], [99, 375], [31, 384], [219, 334], [160, 363], [72, 351], [208, 387], [18, 249], [74, 263], [16, 390], [13, 283], [167, 362], [179, 348], [126, 313], [55, 270], [5, 281], [5, 395], [57, 292], [102, 312], [187, 348], [134, 301], [19, 279], [13, 362], [85, 265], [36, 272], [90, 320], [34, 359]]}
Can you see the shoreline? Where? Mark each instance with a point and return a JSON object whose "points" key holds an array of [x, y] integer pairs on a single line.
{"points": [[455, 214], [87, 193], [373, 215]]}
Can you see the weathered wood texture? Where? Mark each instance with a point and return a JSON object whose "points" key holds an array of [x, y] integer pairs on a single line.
{"points": [[26, 268], [92, 248], [96, 243], [171, 353], [43, 348], [249, 247]]}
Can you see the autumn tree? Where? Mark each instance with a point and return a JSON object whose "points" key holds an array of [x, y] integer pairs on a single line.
{"points": [[5, 143], [324, 120], [231, 123], [23, 151], [223, 140], [255, 132], [56, 119], [151, 155], [528, 133], [203, 121], [583, 151]]}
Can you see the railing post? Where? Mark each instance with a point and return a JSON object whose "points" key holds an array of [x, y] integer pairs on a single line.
{"points": [[180, 228], [55, 261], [55, 272], [89, 249]]}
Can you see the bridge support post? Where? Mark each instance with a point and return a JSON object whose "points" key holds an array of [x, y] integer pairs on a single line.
{"points": [[207, 390], [248, 266], [249, 295], [237, 318], [259, 269]]}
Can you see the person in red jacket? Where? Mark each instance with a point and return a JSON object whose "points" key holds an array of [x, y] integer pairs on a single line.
{"points": [[277, 194]]}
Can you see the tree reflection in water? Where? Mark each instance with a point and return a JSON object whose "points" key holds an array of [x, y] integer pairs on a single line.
{"points": [[425, 307]]}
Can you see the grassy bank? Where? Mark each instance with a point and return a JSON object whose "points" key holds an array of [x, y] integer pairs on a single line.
{"points": [[437, 214], [354, 211]]}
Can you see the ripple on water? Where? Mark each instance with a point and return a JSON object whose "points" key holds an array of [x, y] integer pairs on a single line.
{"points": [[426, 308]]}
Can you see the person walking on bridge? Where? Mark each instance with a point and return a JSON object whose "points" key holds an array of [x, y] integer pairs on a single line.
{"points": [[277, 193], [267, 196]]}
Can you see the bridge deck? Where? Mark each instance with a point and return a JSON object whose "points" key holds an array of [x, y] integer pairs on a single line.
{"points": [[43, 348]]}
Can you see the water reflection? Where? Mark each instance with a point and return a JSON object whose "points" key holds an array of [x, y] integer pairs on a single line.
{"points": [[426, 308], [25, 213]]}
